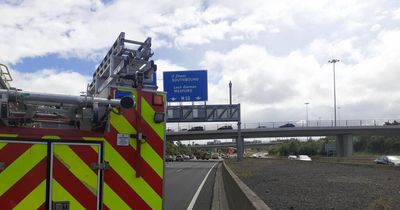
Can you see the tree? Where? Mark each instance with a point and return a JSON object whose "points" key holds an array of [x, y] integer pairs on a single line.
{"points": [[178, 149], [172, 149]]}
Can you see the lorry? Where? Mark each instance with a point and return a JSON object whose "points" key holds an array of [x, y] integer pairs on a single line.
{"points": [[103, 149]]}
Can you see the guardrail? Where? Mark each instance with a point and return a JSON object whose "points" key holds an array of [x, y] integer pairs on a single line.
{"points": [[298, 123]]}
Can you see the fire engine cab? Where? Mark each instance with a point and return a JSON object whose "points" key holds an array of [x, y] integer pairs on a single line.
{"points": [[100, 150]]}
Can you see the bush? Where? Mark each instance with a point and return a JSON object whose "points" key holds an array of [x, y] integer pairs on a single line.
{"points": [[377, 144], [178, 149], [296, 147], [366, 144]]}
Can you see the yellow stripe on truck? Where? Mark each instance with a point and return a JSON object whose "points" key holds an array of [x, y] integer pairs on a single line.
{"points": [[147, 152], [34, 200], [8, 135], [51, 137], [63, 195], [76, 166], [153, 159], [128, 174], [110, 198], [148, 115], [141, 187], [22, 165], [2, 144], [95, 148]]}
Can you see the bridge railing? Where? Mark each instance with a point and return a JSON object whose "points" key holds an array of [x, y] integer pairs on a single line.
{"points": [[299, 123]]}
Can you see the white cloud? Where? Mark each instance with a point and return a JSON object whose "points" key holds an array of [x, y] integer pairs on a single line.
{"points": [[165, 65], [51, 81], [202, 34], [396, 14], [85, 28], [261, 80], [275, 88], [375, 27], [274, 52], [345, 49], [70, 82], [75, 28]]}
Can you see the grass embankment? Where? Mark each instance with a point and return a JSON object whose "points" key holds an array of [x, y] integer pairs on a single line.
{"points": [[364, 159], [324, 183]]}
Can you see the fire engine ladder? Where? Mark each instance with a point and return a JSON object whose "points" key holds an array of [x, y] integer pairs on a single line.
{"points": [[127, 64], [122, 63], [5, 77]]}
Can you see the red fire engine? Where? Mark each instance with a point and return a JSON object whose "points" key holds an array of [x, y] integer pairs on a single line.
{"points": [[100, 150]]}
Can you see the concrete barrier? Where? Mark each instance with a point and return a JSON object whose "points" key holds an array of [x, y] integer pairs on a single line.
{"points": [[219, 201], [238, 194]]}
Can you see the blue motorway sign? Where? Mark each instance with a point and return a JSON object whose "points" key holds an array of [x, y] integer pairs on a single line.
{"points": [[186, 85]]}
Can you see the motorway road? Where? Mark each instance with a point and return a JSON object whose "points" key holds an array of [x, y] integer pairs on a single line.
{"points": [[183, 179]]}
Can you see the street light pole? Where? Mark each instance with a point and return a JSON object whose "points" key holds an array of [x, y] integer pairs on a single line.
{"points": [[230, 93], [306, 113], [334, 61], [230, 98]]}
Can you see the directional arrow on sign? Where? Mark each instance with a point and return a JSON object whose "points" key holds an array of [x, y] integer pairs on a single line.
{"points": [[198, 98]]}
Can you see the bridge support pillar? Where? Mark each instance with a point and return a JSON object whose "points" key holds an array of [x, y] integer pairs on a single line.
{"points": [[344, 145], [239, 139]]}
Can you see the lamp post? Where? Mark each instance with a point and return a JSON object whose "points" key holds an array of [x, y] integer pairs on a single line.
{"points": [[230, 98], [338, 114], [230, 93], [306, 113], [334, 61]]}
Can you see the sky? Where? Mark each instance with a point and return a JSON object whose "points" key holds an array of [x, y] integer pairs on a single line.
{"points": [[275, 52]]}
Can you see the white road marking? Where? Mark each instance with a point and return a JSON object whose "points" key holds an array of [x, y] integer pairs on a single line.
{"points": [[179, 170], [191, 205]]}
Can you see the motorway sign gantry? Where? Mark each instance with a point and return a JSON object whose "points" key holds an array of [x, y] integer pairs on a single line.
{"points": [[204, 113]]}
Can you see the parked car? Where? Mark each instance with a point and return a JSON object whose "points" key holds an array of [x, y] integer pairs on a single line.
{"points": [[393, 123], [196, 128], [186, 157], [287, 125], [225, 127], [214, 156], [299, 157], [260, 155], [388, 160], [180, 158], [169, 158], [304, 158], [261, 126]]}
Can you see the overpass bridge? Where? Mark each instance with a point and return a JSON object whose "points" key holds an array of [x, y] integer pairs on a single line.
{"points": [[343, 132], [285, 132], [232, 144]]}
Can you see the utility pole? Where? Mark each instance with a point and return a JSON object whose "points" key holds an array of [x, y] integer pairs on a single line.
{"points": [[334, 61], [306, 113], [230, 99], [230, 93]]}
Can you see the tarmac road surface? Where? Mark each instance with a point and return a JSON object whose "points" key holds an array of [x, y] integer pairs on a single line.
{"points": [[183, 180]]}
